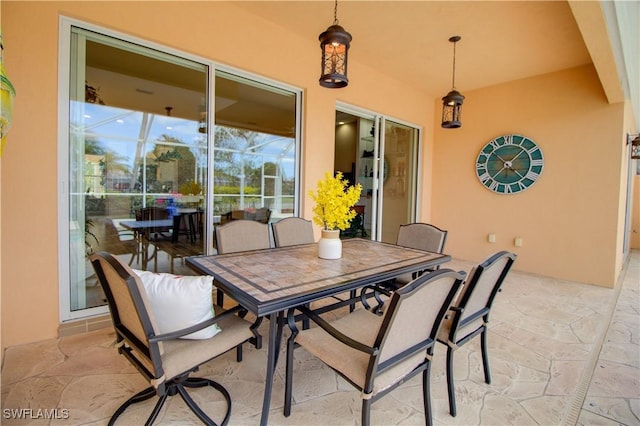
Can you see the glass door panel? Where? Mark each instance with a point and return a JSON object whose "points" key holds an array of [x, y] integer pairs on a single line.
{"points": [[255, 148], [385, 164], [399, 172], [156, 131], [135, 142]]}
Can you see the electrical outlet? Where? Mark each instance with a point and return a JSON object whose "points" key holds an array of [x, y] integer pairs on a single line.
{"points": [[491, 238], [517, 242]]}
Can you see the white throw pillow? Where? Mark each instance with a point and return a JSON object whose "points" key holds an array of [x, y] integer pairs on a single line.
{"points": [[180, 301]]}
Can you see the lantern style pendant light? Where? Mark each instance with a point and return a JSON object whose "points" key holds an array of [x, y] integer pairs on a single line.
{"points": [[334, 43], [635, 146], [452, 103]]}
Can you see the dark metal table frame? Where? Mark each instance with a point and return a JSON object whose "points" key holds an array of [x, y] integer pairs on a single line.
{"points": [[268, 282]]}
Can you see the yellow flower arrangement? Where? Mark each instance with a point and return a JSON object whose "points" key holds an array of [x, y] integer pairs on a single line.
{"points": [[334, 200]]}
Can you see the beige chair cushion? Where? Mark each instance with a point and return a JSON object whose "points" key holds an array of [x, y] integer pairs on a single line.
{"points": [[242, 235], [363, 326], [182, 355], [477, 302], [419, 236], [292, 231]]}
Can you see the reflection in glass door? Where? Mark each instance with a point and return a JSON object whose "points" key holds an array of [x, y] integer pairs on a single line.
{"points": [[144, 136], [397, 201], [385, 164], [136, 152]]}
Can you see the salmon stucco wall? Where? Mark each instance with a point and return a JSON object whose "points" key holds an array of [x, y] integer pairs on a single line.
{"points": [[568, 220], [30, 179]]}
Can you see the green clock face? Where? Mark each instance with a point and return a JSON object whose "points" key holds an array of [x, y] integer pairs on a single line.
{"points": [[509, 164]]}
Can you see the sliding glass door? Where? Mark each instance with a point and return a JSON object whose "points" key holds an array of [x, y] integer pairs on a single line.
{"points": [[380, 154], [152, 134], [397, 201], [134, 142]]}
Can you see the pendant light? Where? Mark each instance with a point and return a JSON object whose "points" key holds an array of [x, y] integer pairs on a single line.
{"points": [[334, 43], [635, 146], [452, 103]]}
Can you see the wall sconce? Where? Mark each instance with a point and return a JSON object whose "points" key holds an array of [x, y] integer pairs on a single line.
{"points": [[635, 146], [334, 43], [452, 103]]}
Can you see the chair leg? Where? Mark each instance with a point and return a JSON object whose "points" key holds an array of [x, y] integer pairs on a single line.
{"points": [[366, 412], [148, 393], [426, 394], [485, 356], [156, 409], [194, 382], [450, 388], [239, 353]]}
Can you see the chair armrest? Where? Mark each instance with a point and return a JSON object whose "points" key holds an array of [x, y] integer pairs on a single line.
{"points": [[336, 333], [197, 327]]}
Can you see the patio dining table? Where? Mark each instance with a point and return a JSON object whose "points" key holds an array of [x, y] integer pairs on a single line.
{"points": [[268, 282]]}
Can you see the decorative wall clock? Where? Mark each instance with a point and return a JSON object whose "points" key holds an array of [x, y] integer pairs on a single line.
{"points": [[509, 164]]}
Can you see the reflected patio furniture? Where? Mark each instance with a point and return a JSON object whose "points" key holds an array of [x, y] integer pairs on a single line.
{"points": [[469, 314], [376, 354], [147, 232], [356, 225], [164, 359], [154, 213], [261, 215], [292, 231], [178, 250], [118, 241]]}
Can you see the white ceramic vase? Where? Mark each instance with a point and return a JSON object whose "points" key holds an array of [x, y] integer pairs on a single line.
{"points": [[330, 245]]}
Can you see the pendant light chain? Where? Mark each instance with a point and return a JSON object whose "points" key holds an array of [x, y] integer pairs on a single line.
{"points": [[453, 82], [335, 13]]}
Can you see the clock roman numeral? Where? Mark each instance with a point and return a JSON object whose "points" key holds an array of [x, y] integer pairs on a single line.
{"points": [[508, 139], [484, 177], [532, 150], [537, 162], [532, 175]]}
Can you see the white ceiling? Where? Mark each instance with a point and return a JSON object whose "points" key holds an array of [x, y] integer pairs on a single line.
{"points": [[501, 40]]}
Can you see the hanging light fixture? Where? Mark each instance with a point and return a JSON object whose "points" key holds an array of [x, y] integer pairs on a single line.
{"points": [[334, 43], [452, 103], [635, 146]]}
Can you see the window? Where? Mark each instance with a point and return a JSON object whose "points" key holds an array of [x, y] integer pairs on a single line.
{"points": [[138, 137]]}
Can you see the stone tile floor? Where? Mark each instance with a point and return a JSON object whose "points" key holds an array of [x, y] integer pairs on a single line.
{"points": [[560, 353]]}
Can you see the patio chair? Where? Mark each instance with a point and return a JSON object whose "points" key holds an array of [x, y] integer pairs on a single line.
{"points": [[238, 236], [292, 231], [469, 314], [375, 353], [166, 355], [421, 236]]}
